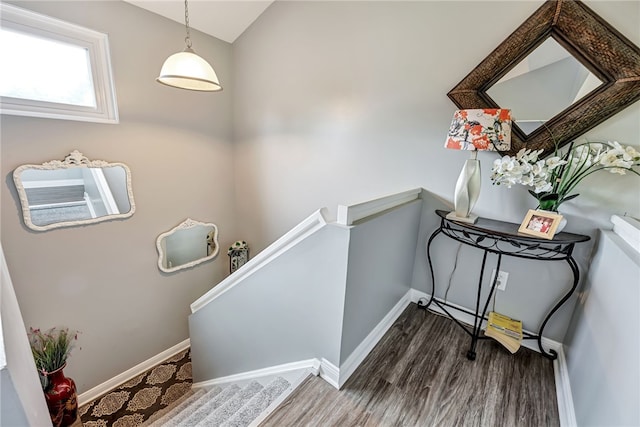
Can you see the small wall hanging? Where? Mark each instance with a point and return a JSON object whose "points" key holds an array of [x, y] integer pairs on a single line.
{"points": [[238, 255]]}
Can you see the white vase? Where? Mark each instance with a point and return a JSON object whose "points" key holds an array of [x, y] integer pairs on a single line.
{"points": [[563, 223]]}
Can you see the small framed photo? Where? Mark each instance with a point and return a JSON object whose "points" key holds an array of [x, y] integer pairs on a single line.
{"points": [[540, 224]]}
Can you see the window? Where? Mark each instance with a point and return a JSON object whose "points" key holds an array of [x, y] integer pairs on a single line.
{"points": [[54, 69]]}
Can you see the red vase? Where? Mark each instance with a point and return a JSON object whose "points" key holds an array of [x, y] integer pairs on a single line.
{"points": [[61, 398]]}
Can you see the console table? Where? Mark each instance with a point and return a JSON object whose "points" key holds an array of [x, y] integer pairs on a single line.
{"points": [[502, 238]]}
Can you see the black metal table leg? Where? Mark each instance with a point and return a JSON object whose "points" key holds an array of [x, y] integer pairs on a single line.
{"points": [[552, 354], [479, 316], [433, 280]]}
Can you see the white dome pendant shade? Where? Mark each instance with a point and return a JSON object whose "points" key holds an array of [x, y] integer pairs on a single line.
{"points": [[186, 70]]}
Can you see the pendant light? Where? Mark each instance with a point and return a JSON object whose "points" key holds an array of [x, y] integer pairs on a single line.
{"points": [[186, 70]]}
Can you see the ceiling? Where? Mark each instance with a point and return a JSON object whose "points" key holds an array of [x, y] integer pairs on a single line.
{"points": [[223, 19]]}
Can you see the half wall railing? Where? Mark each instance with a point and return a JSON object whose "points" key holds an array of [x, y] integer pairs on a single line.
{"points": [[314, 294], [307, 227]]}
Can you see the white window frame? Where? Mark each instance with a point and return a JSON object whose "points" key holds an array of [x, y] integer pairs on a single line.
{"points": [[97, 45]]}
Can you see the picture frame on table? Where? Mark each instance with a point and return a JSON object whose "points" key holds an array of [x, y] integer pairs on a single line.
{"points": [[540, 224]]}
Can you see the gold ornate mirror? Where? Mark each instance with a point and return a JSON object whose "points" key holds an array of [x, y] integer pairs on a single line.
{"points": [[600, 69]]}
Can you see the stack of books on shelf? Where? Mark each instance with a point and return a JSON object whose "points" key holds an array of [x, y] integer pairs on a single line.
{"points": [[505, 330]]}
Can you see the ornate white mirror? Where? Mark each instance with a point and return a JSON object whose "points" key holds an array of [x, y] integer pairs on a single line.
{"points": [[74, 191], [186, 245]]}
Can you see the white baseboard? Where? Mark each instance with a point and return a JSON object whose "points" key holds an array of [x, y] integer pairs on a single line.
{"points": [[563, 390], [560, 370], [330, 373], [122, 378], [313, 365], [358, 355]]}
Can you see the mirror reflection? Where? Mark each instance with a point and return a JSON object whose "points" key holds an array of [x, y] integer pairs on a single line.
{"points": [[188, 244], [72, 192], [592, 41], [542, 85]]}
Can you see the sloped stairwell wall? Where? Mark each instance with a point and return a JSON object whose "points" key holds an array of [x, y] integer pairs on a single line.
{"points": [[319, 299], [289, 310]]}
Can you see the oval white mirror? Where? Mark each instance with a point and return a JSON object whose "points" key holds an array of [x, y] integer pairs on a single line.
{"points": [[74, 191], [186, 245]]}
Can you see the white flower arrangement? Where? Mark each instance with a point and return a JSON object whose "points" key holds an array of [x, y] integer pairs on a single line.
{"points": [[556, 177]]}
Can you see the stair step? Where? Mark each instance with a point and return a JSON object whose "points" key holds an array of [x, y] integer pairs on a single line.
{"points": [[184, 409], [199, 410], [230, 406], [226, 411], [160, 418], [257, 404]]}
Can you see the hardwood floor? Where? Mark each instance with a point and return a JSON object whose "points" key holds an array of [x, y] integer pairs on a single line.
{"points": [[418, 375]]}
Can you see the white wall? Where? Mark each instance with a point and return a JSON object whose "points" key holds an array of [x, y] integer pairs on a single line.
{"points": [[103, 279], [339, 102], [603, 347]]}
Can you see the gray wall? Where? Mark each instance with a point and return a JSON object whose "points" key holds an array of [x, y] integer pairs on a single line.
{"points": [[319, 299], [603, 346], [21, 399], [339, 102], [333, 103], [103, 279], [381, 257], [351, 97], [289, 310], [12, 413], [429, 222]]}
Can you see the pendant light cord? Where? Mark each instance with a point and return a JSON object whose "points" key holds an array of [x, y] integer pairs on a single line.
{"points": [[187, 70], [187, 39]]}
